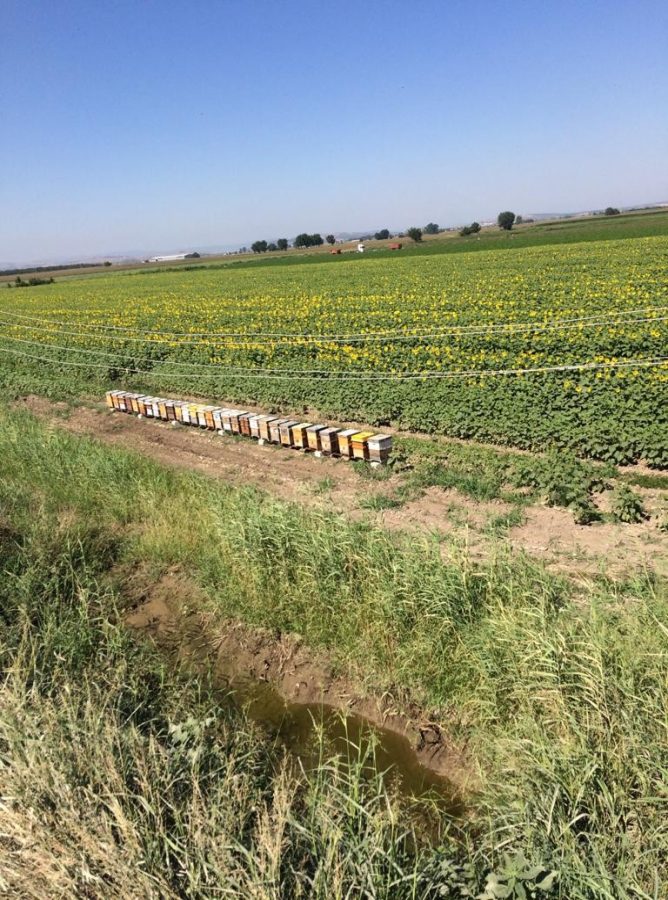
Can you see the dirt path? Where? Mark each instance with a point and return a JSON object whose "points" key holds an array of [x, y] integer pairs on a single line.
{"points": [[549, 534]]}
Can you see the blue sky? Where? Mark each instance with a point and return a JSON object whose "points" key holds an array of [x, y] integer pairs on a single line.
{"points": [[151, 126]]}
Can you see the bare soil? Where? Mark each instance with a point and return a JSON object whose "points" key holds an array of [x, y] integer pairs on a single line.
{"points": [[549, 534]]}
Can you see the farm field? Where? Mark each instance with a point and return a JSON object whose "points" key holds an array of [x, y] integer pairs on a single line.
{"points": [[550, 345], [125, 774], [504, 605]]}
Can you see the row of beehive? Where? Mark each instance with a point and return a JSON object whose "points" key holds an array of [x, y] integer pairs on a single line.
{"points": [[347, 443]]}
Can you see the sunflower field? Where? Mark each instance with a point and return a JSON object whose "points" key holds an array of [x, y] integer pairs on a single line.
{"points": [[561, 346]]}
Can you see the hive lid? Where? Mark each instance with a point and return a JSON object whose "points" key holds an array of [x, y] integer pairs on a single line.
{"points": [[359, 436]]}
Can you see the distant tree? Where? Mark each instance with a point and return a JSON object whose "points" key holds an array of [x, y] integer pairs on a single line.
{"points": [[465, 231], [382, 235], [415, 234], [259, 247], [316, 240], [271, 247], [475, 227], [330, 239], [194, 255], [431, 228], [518, 220], [282, 243], [611, 211], [505, 220], [107, 263], [302, 240]]}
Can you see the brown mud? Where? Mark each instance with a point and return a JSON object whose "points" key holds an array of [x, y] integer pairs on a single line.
{"points": [[548, 534], [293, 692]]}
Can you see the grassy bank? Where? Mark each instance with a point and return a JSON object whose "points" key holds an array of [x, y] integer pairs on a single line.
{"points": [[560, 697]]}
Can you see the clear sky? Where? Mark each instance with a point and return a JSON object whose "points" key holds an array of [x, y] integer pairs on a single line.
{"points": [[148, 126]]}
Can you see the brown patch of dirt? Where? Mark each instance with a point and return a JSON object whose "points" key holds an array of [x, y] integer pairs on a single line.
{"points": [[551, 533], [170, 611], [548, 533]]}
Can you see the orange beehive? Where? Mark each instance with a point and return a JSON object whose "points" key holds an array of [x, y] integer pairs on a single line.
{"points": [[254, 425], [208, 417], [244, 424], [359, 444], [178, 411], [109, 400], [162, 408], [236, 420]]}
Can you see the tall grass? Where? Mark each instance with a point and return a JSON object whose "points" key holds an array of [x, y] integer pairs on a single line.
{"points": [[558, 693]]}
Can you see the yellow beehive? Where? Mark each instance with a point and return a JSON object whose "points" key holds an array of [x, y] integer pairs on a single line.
{"points": [[265, 422], [313, 436], [299, 435], [109, 399], [344, 439], [275, 430], [286, 433]]}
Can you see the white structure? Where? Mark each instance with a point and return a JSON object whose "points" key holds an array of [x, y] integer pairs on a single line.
{"points": [[360, 247]]}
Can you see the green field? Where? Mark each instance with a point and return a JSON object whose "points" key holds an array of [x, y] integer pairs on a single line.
{"points": [[474, 345], [123, 778]]}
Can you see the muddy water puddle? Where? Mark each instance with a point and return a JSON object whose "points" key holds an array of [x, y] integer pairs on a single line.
{"points": [[311, 731], [314, 733]]}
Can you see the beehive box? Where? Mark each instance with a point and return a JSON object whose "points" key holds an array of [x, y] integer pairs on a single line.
{"points": [[299, 435], [236, 420], [313, 435], [286, 433], [359, 444], [227, 419], [208, 416], [155, 407], [265, 422], [141, 403], [244, 424], [171, 412], [275, 430], [162, 408], [329, 439], [134, 405], [148, 407], [109, 400], [254, 425], [344, 439], [185, 413], [193, 408], [218, 418], [380, 446], [178, 410]]}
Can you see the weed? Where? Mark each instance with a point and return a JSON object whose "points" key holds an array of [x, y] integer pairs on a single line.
{"points": [[627, 506]]}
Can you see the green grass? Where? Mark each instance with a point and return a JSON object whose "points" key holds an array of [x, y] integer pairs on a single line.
{"points": [[559, 696]]}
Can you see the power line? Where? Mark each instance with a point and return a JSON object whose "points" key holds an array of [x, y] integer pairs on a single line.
{"points": [[571, 367], [261, 370], [149, 336]]}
